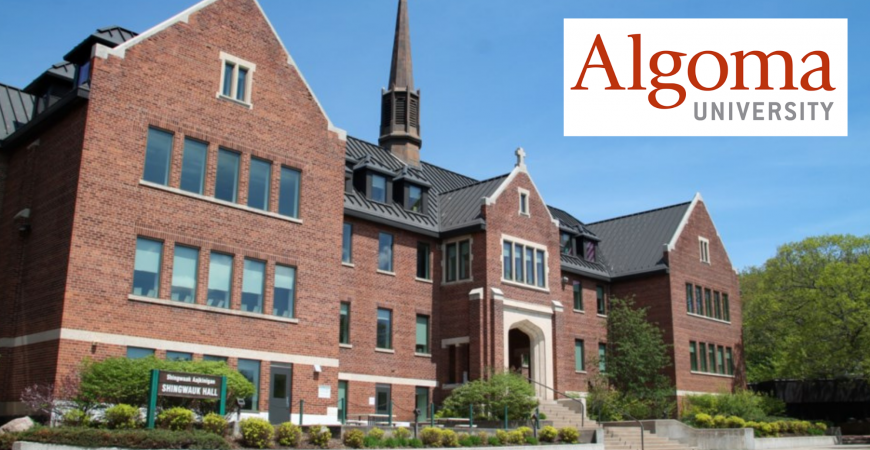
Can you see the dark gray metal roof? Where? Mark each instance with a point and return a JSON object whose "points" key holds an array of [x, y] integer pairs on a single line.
{"points": [[571, 223], [16, 109], [108, 36], [63, 72], [580, 265], [461, 207], [636, 243], [444, 180]]}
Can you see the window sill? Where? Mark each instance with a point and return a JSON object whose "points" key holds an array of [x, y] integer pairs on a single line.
{"points": [[385, 350], [727, 322], [525, 286], [579, 311], [212, 309], [423, 355], [581, 372], [386, 272], [221, 96], [450, 283], [603, 316], [451, 385], [347, 264], [718, 375], [345, 346], [522, 214], [218, 202], [423, 280]]}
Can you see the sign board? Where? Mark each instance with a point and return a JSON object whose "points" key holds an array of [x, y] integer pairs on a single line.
{"points": [[324, 391], [188, 385]]}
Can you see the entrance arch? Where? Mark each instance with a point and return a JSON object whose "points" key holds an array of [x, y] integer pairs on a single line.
{"points": [[529, 344]]}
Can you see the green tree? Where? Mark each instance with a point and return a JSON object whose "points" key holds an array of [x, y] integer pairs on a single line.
{"points": [[124, 380], [634, 384], [491, 395], [806, 311]]}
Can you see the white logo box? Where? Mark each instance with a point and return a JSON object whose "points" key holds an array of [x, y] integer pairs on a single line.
{"points": [[600, 112]]}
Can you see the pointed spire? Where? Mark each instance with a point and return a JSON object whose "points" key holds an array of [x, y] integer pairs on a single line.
{"points": [[401, 69], [400, 103]]}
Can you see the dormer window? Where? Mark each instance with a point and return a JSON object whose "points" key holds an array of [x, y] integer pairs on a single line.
{"points": [[83, 74], [378, 191], [589, 250], [236, 79], [415, 198], [566, 243]]}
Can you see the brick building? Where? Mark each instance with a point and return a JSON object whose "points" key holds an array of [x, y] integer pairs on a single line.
{"points": [[182, 193]]}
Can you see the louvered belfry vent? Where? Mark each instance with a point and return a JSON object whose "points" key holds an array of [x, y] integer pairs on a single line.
{"points": [[400, 105]]}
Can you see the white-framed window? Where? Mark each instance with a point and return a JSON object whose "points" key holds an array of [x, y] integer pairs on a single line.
{"points": [[457, 260], [524, 201], [704, 246], [237, 77], [524, 263]]}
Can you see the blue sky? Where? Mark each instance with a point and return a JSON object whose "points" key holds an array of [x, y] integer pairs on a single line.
{"points": [[490, 73]]}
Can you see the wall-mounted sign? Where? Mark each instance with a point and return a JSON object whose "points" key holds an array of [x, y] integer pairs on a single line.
{"points": [[324, 391], [188, 385]]}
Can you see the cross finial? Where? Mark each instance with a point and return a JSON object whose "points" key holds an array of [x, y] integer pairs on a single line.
{"points": [[521, 157]]}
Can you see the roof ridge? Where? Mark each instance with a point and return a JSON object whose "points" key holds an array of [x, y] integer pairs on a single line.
{"points": [[402, 163], [12, 87], [474, 184], [639, 213]]}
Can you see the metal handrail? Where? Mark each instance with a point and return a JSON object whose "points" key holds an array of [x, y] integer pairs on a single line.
{"points": [[582, 405], [600, 404]]}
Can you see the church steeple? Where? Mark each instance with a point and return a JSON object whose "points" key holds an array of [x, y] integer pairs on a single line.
{"points": [[400, 104]]}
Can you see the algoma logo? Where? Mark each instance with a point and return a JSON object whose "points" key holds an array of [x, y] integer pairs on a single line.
{"points": [[742, 77]]}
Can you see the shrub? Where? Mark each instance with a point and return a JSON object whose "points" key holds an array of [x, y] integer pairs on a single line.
{"points": [[354, 439], [136, 439], [288, 434], [719, 421], [121, 417], [319, 436], [526, 431], [371, 442], [703, 420], [415, 443], [489, 394], [75, 418], [7, 439], [476, 441], [124, 380], [214, 423], [735, 422], [431, 436], [402, 433], [256, 432], [493, 441], [747, 405], [813, 431], [466, 442], [376, 433], [502, 436], [390, 442], [175, 419], [516, 437], [483, 437], [821, 426], [548, 434], [449, 438], [531, 440], [569, 435]]}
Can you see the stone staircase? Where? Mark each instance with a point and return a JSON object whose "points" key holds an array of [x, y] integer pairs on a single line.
{"points": [[628, 438], [566, 413]]}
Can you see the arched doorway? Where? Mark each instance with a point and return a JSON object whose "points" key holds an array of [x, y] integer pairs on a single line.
{"points": [[520, 352], [528, 350]]}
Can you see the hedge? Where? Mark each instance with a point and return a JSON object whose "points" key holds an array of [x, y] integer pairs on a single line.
{"points": [[136, 439]]}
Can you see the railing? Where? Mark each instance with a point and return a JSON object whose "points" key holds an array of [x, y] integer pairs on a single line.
{"points": [[582, 405], [600, 404]]}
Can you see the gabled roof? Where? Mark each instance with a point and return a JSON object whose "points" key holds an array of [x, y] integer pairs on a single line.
{"points": [[461, 207], [16, 109], [636, 243]]}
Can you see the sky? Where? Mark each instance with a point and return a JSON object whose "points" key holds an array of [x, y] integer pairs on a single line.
{"points": [[491, 78]]}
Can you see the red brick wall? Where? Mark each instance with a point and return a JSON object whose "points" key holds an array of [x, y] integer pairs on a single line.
{"points": [[719, 275], [170, 81], [33, 271], [367, 290], [573, 324]]}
